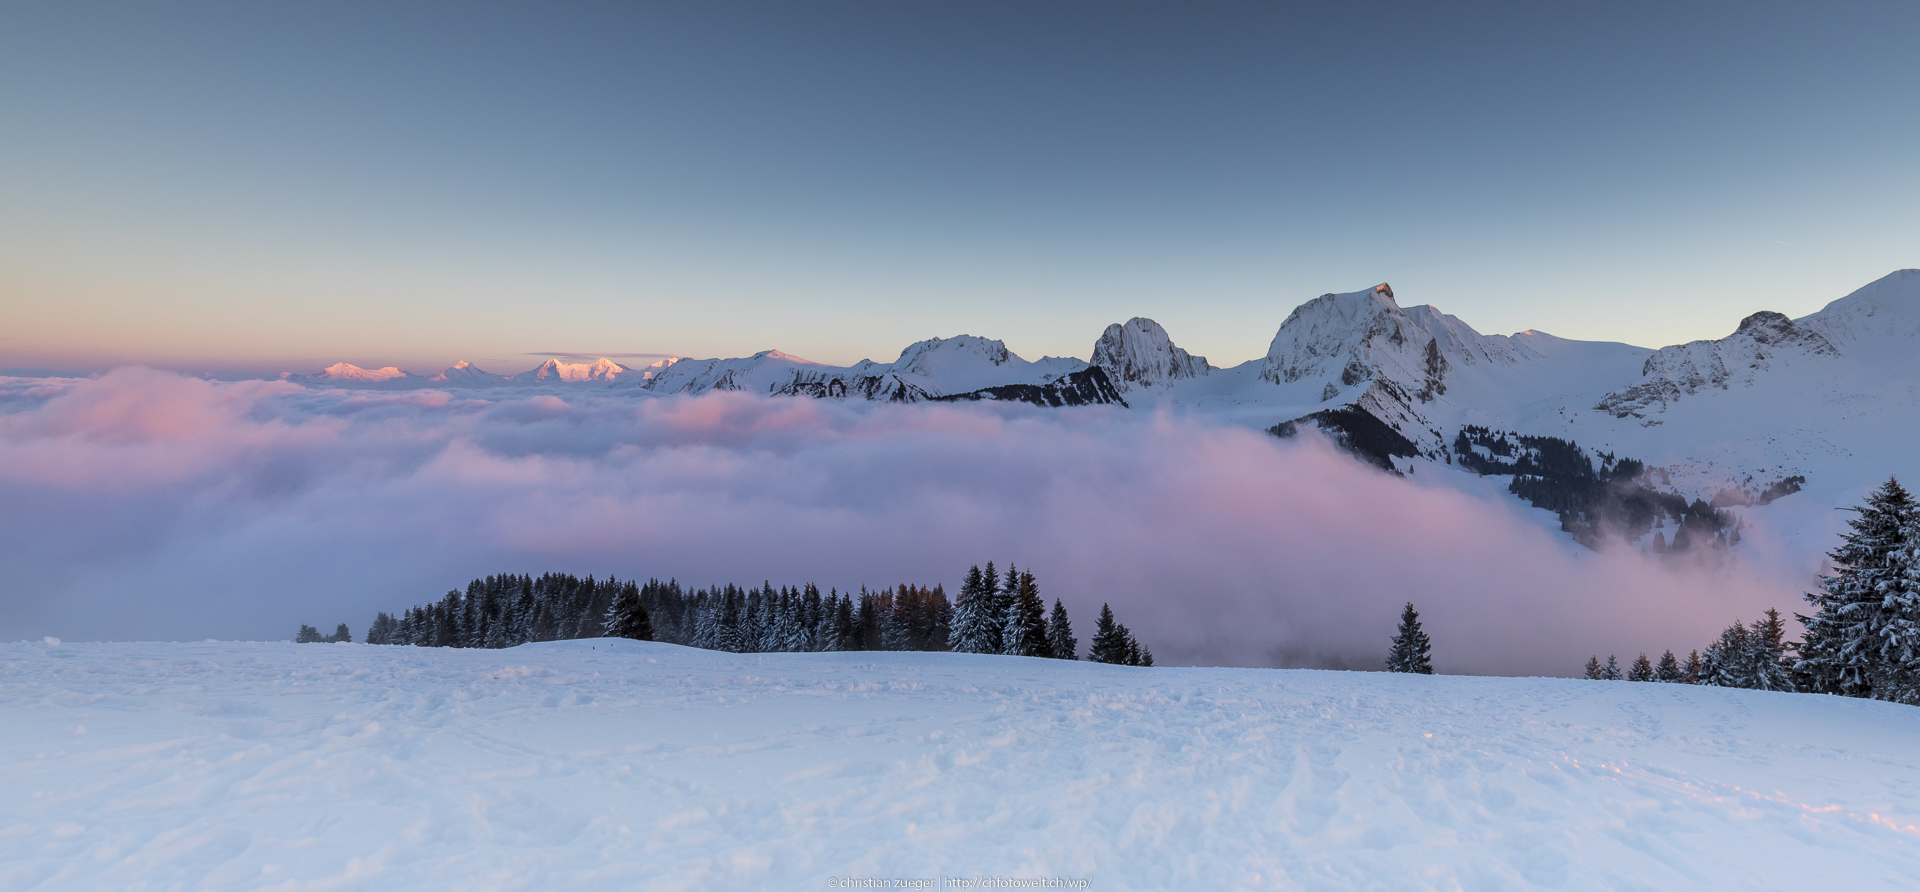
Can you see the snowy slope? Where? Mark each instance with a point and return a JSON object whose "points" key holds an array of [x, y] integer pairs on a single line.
{"points": [[625, 765]]}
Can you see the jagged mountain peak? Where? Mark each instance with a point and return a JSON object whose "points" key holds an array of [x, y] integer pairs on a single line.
{"points": [[464, 372], [555, 371], [1762, 341], [1140, 354]]}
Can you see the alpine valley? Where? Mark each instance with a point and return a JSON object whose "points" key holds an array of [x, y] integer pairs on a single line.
{"points": [[1666, 448]]}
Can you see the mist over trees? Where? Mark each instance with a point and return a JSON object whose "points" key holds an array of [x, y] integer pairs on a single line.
{"points": [[1862, 638]]}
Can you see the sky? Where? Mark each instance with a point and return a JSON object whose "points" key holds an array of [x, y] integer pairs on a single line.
{"points": [[267, 187]]}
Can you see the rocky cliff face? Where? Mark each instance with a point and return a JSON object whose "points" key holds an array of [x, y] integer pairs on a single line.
{"points": [[1138, 355], [1763, 341]]}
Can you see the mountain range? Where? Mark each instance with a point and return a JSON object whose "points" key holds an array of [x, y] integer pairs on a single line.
{"points": [[1733, 421]]}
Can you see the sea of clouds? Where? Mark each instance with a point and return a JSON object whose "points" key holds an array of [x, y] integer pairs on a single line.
{"points": [[150, 505]]}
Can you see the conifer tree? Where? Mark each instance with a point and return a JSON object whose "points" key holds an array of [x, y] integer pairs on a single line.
{"points": [[1060, 640], [1728, 661], [307, 635], [1669, 669], [994, 610], [1003, 608], [1641, 669], [1694, 670], [1611, 671], [628, 618], [1025, 633], [973, 613], [1593, 668], [1768, 668], [1109, 639], [340, 634], [1411, 651], [1837, 650]]}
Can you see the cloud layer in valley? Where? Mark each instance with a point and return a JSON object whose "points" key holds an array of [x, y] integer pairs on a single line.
{"points": [[144, 504]]}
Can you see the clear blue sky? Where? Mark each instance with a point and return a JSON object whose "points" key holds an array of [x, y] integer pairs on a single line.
{"points": [[283, 185]]}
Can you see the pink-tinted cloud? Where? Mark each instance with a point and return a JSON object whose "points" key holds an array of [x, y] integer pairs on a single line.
{"points": [[144, 504]]}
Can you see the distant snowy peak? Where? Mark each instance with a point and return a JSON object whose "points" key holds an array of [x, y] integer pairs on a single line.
{"points": [[344, 371], [1344, 340], [553, 371], [1764, 341], [961, 367], [966, 363], [466, 374], [1139, 354]]}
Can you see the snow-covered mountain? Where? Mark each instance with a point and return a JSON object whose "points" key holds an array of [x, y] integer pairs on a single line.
{"points": [[553, 371], [348, 372], [465, 374], [963, 367], [1777, 403], [1139, 356]]}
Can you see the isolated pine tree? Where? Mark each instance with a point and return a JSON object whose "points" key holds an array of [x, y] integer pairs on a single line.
{"points": [[1838, 648], [1060, 641], [1411, 651], [1025, 633], [1593, 668], [1611, 671], [1669, 669], [972, 615], [1641, 669]]}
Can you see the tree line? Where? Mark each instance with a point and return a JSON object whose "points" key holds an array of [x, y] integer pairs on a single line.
{"points": [[994, 614]]}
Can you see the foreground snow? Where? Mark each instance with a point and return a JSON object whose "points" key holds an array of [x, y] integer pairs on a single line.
{"points": [[625, 765]]}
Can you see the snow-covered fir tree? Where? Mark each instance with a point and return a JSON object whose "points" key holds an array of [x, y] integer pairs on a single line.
{"points": [[627, 618], [1844, 638], [1411, 651], [1668, 670], [1768, 668], [973, 614], [1593, 668], [1025, 633], [308, 635], [1728, 661]]}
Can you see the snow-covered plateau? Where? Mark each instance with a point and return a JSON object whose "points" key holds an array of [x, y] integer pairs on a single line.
{"points": [[629, 765]]}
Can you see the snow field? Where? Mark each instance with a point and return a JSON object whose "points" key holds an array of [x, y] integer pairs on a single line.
{"points": [[624, 765]]}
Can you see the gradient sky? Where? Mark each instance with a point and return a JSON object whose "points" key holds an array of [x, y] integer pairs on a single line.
{"points": [[271, 186]]}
